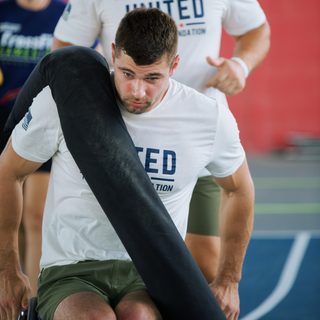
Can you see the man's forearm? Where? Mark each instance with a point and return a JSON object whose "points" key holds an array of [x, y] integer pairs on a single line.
{"points": [[253, 46], [236, 222]]}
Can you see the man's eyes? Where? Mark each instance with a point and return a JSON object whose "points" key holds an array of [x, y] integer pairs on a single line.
{"points": [[129, 75]]}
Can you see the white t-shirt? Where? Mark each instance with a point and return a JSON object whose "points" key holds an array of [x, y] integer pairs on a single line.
{"points": [[186, 132], [199, 24]]}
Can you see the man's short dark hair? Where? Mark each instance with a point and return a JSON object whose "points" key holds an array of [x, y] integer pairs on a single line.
{"points": [[146, 35]]}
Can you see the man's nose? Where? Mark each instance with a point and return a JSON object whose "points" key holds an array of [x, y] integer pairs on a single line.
{"points": [[138, 89]]}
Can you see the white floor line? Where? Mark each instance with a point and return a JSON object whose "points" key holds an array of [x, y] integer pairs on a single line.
{"points": [[282, 234], [287, 278]]}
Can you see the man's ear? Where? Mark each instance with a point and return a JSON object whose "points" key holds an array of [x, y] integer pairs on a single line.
{"points": [[113, 48], [174, 65]]}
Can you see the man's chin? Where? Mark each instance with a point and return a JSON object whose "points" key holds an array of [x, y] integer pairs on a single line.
{"points": [[136, 110]]}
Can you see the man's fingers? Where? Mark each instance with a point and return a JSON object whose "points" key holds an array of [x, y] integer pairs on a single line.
{"points": [[230, 312], [225, 84], [26, 298], [15, 314], [8, 314], [218, 77], [213, 82], [215, 62], [216, 81], [233, 316], [24, 302], [3, 314]]}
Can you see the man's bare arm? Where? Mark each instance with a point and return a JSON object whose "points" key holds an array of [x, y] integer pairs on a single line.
{"points": [[252, 48], [236, 222], [56, 44], [15, 288]]}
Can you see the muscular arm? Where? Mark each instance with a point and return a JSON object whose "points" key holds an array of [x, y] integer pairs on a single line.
{"points": [[236, 222], [15, 288], [252, 48]]}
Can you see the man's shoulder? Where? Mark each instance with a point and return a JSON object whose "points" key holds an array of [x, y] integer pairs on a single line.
{"points": [[190, 96]]}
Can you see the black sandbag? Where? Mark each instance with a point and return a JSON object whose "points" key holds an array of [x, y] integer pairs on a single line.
{"points": [[34, 84], [101, 146]]}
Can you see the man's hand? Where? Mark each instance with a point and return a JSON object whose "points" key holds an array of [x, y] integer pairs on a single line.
{"points": [[230, 77], [228, 297], [252, 47], [15, 293]]}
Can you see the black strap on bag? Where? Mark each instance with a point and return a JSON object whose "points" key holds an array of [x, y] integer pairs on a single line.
{"points": [[101, 146]]}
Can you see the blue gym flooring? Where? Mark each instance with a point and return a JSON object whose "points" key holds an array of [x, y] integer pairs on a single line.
{"points": [[276, 285], [281, 271]]}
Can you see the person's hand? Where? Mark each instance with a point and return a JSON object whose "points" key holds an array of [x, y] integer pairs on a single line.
{"points": [[15, 293], [227, 296], [230, 77]]}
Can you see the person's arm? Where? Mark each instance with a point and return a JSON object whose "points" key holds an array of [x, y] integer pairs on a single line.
{"points": [[236, 222], [15, 287], [56, 44], [252, 48]]}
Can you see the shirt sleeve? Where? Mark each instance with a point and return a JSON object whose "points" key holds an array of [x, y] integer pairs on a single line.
{"points": [[79, 24], [36, 136], [242, 16], [228, 153]]}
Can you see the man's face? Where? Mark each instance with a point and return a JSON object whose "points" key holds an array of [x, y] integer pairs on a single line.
{"points": [[141, 88]]}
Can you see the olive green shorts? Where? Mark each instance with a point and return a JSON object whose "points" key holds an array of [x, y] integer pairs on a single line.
{"points": [[204, 208], [112, 280]]}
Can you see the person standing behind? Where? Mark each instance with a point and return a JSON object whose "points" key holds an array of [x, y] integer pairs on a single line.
{"points": [[199, 26], [26, 32]]}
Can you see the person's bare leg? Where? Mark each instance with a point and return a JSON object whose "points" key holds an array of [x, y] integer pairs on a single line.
{"points": [[137, 305], [22, 245], [84, 306], [206, 252], [34, 195]]}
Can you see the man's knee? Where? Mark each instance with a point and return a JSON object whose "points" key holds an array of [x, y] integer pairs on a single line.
{"points": [[137, 306], [82, 306], [139, 312]]}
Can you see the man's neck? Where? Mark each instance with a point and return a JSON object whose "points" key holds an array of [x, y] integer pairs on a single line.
{"points": [[35, 5]]}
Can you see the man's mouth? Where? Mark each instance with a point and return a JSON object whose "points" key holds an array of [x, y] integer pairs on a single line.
{"points": [[137, 104]]}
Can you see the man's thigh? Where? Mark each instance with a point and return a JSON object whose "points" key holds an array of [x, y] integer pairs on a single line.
{"points": [[109, 280]]}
